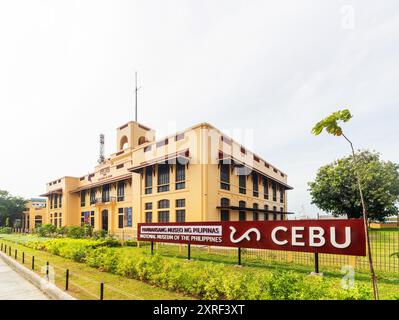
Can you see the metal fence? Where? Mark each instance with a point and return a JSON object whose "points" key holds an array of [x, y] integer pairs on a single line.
{"points": [[384, 244]]}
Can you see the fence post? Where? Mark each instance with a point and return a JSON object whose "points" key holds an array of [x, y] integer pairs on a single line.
{"points": [[47, 269], [239, 256], [2, 246], [16, 254], [33, 262], [152, 247], [67, 280], [102, 291], [188, 252], [316, 262], [9, 250], [23, 257], [5, 248]]}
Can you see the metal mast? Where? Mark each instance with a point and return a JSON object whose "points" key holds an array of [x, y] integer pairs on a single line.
{"points": [[135, 97], [101, 159]]}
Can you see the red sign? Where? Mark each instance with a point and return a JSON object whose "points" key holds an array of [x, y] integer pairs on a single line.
{"points": [[323, 236]]}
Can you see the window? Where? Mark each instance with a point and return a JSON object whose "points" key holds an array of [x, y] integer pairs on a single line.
{"points": [[82, 218], [60, 201], [38, 221], [255, 184], [281, 214], [148, 217], [179, 137], [55, 201], [266, 212], [225, 213], [242, 214], [180, 176], [148, 180], [60, 220], [51, 201], [225, 177], [92, 196], [128, 217], [105, 193], [281, 194], [242, 181], [92, 218], [265, 188], [82, 198], [180, 215], [227, 140], [163, 204], [162, 143], [256, 158], [147, 148], [255, 213], [119, 166], [274, 213], [163, 216], [120, 218], [55, 219], [163, 177], [180, 203], [121, 190], [148, 206], [274, 189]]}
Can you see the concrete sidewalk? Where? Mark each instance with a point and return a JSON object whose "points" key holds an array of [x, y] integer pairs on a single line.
{"points": [[15, 287]]}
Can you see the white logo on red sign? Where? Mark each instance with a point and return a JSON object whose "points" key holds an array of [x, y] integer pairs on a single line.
{"points": [[245, 235]]}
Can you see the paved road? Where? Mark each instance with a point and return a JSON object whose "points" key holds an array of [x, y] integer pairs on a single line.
{"points": [[15, 287]]}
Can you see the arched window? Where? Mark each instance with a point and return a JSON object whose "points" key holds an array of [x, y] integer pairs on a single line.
{"points": [[123, 144], [225, 213], [242, 214], [142, 140]]}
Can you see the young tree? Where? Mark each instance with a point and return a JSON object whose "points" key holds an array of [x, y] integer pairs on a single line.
{"points": [[335, 188], [330, 124]]}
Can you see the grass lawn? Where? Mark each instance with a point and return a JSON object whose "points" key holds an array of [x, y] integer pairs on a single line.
{"points": [[118, 287], [84, 282]]}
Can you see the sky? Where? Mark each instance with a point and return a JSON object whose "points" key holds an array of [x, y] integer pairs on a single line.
{"points": [[265, 69]]}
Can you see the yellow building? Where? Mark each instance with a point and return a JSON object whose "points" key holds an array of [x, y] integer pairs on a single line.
{"points": [[35, 214], [198, 174]]}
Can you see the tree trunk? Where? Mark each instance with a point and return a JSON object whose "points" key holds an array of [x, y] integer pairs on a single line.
{"points": [[365, 220]]}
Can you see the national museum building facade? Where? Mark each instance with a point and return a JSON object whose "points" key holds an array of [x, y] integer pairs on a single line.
{"points": [[198, 174]]}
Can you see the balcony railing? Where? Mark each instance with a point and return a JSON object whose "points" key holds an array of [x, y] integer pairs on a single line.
{"points": [[103, 200]]}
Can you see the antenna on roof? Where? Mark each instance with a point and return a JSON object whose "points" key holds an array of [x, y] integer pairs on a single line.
{"points": [[101, 159], [135, 91]]}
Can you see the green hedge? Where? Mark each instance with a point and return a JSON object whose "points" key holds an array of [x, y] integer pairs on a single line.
{"points": [[5, 230], [205, 280]]}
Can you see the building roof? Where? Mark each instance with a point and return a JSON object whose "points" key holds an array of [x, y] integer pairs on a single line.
{"points": [[102, 182]]}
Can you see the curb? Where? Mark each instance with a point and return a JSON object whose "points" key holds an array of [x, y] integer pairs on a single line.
{"points": [[45, 286]]}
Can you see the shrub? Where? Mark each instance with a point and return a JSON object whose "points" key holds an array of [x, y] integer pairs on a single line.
{"points": [[130, 243], [46, 230], [206, 280], [5, 230], [75, 232], [99, 234], [62, 231], [110, 242], [104, 259]]}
